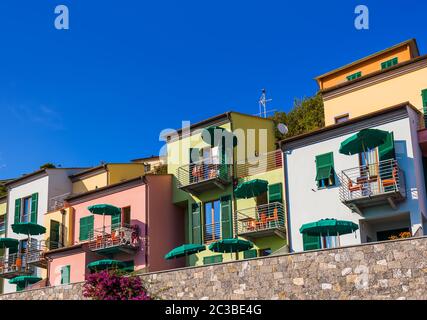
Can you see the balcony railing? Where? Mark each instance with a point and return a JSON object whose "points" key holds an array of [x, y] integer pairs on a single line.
{"points": [[115, 238], [372, 184], [261, 164], [261, 221], [200, 176], [13, 265], [37, 252]]}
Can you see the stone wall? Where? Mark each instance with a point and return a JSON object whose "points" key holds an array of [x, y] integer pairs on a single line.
{"points": [[387, 270]]}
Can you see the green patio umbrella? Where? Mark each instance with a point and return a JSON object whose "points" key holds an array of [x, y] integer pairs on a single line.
{"points": [[362, 141], [105, 264], [184, 250], [104, 210], [8, 243], [250, 189], [328, 227], [231, 245], [23, 281]]}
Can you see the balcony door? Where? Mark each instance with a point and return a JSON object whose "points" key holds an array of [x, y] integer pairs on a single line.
{"points": [[212, 221], [54, 234]]}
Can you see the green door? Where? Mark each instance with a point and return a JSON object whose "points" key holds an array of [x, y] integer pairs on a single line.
{"points": [[54, 234]]}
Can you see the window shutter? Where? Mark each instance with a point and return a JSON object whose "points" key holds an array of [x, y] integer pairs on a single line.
{"points": [[83, 229], [275, 193], [310, 242], [196, 223], [65, 275], [250, 254], [324, 166], [54, 234], [226, 218], [116, 220], [18, 210], [424, 97], [34, 207], [386, 150], [389, 63], [90, 226]]}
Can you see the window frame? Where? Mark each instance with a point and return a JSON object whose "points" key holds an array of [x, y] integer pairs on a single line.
{"points": [[219, 222]]}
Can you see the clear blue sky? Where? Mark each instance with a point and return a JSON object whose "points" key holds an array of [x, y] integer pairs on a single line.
{"points": [[125, 70]]}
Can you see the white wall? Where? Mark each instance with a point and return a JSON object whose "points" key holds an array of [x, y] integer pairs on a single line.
{"points": [[308, 204]]}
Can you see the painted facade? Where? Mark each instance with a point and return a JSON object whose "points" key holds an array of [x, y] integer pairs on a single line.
{"points": [[376, 89], [146, 204], [378, 214], [212, 211]]}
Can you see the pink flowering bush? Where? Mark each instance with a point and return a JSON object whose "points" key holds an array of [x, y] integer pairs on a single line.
{"points": [[109, 285]]}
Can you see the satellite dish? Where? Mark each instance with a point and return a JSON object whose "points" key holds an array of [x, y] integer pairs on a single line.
{"points": [[283, 129]]}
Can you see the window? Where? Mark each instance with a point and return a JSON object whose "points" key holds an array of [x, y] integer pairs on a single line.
{"points": [[354, 76], [126, 216], [212, 259], [147, 167], [325, 176], [26, 210], [389, 63], [65, 275], [212, 221], [86, 228], [2, 224], [342, 118]]}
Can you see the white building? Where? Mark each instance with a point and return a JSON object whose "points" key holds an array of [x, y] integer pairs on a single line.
{"points": [[383, 195], [30, 197]]}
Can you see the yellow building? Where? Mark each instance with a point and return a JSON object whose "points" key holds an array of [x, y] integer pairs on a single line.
{"points": [[205, 185], [386, 78]]}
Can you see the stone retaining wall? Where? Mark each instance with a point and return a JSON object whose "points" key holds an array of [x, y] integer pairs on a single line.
{"points": [[387, 270]]}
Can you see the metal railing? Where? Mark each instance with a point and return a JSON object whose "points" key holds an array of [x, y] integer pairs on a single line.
{"points": [[201, 171], [263, 163], [212, 232], [114, 236], [374, 179], [15, 263], [260, 218], [37, 250]]}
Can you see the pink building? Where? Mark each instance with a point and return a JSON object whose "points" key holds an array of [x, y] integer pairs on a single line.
{"points": [[147, 228]]}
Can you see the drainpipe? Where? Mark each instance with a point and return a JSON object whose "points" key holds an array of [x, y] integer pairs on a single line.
{"points": [[286, 196], [147, 206], [63, 212]]}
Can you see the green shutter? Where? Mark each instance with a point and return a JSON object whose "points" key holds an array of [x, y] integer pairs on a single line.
{"points": [[86, 227], [18, 210], [65, 275], [311, 242], [324, 166], [54, 234], [196, 223], [116, 220], [354, 76], [226, 217], [386, 150], [34, 207], [424, 97], [212, 259], [250, 254], [275, 193], [389, 63]]}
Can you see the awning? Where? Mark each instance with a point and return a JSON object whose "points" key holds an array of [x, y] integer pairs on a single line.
{"points": [[324, 172], [230, 245], [8, 243], [105, 264], [104, 209], [362, 141], [331, 227], [24, 280], [28, 228], [184, 250], [250, 189]]}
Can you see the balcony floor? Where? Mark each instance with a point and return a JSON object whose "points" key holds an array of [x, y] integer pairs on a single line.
{"points": [[15, 273], [205, 185], [278, 231], [391, 198]]}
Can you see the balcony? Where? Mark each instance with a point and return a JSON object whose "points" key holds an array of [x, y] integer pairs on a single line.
{"points": [[263, 163], [114, 239], [262, 221], [37, 254], [14, 265], [372, 185], [200, 176]]}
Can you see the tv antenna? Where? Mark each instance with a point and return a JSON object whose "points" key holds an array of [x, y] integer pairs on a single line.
{"points": [[263, 104]]}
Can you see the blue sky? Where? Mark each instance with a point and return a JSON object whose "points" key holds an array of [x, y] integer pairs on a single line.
{"points": [[103, 90]]}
